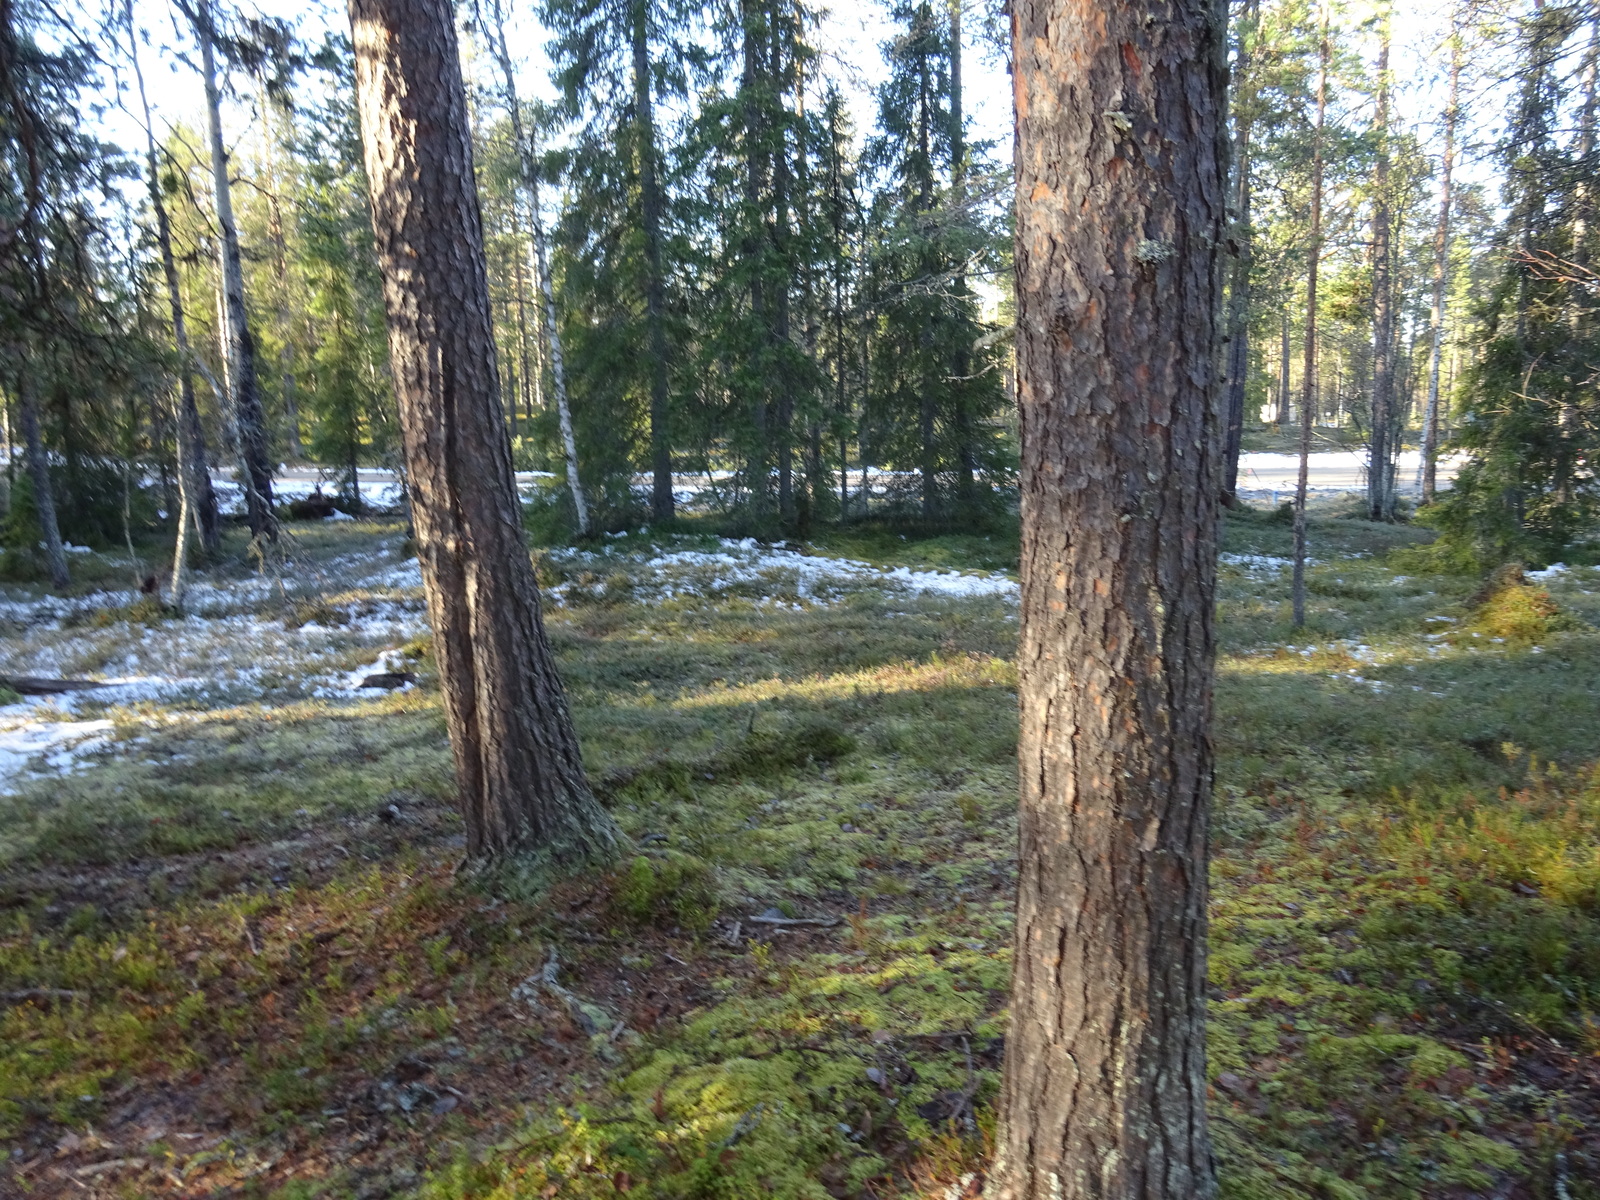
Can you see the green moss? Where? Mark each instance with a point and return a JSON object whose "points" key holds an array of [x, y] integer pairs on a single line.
{"points": [[667, 888]]}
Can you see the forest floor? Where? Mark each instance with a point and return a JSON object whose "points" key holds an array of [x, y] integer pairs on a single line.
{"points": [[235, 958]]}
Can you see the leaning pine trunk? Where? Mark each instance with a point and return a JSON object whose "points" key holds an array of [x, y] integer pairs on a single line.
{"points": [[521, 780], [1120, 207]]}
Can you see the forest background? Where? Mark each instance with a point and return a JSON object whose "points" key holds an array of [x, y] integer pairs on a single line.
{"points": [[777, 250]]}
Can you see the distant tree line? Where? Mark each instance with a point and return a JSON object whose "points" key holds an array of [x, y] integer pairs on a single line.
{"points": [[708, 273]]}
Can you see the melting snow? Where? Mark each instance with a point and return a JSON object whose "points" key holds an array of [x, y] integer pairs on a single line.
{"points": [[37, 746]]}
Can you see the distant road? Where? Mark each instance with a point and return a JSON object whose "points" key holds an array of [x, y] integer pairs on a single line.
{"points": [[1329, 471]]}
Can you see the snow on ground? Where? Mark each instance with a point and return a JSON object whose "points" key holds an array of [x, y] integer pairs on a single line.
{"points": [[32, 745], [317, 631], [748, 570], [1258, 564]]}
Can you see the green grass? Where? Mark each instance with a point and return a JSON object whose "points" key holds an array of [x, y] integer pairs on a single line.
{"points": [[1405, 947]]}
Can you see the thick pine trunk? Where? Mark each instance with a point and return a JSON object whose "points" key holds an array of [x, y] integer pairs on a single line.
{"points": [[661, 500], [241, 349], [521, 780], [1121, 197]]}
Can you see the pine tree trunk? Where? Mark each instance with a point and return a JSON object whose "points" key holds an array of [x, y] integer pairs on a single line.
{"points": [[661, 499], [1380, 506], [752, 34], [530, 179], [521, 779], [961, 366], [44, 497], [1239, 285], [1308, 381], [780, 301], [241, 349], [1427, 469], [1120, 210], [1283, 369], [194, 472]]}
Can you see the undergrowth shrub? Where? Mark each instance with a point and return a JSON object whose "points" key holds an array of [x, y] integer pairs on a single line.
{"points": [[1510, 608]]}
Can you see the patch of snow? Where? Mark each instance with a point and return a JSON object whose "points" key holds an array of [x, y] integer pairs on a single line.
{"points": [[1553, 571], [749, 570], [38, 746], [1257, 562]]}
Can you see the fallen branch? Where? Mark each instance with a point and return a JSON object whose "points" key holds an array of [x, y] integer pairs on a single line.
{"points": [[39, 994], [28, 685], [788, 922]]}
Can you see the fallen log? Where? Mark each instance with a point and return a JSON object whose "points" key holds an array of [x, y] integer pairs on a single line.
{"points": [[28, 685]]}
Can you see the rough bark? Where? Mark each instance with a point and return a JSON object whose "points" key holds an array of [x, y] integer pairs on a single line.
{"points": [[1380, 464], [1427, 469], [1120, 208], [520, 776], [541, 268], [1308, 380], [197, 498], [254, 450], [661, 500], [44, 498]]}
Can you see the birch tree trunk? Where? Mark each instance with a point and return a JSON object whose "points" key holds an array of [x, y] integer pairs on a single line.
{"points": [[520, 776], [541, 267], [254, 448], [198, 500], [1308, 381], [1427, 469], [1121, 192]]}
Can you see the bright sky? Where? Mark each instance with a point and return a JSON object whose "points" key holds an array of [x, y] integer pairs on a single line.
{"points": [[850, 37]]}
